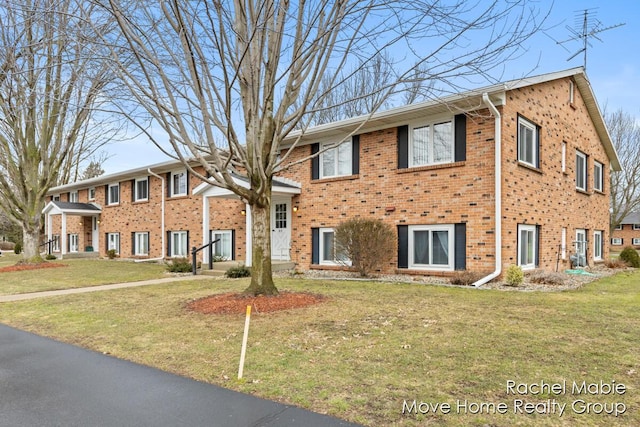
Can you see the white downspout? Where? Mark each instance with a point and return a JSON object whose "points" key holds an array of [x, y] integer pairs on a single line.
{"points": [[162, 232], [498, 191]]}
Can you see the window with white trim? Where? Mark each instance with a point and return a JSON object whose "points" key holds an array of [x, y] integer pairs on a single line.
{"points": [[92, 193], [581, 247], [178, 184], [431, 144], [527, 246], [597, 245], [563, 243], [527, 142], [618, 227], [616, 241], [222, 248], [636, 241], [73, 197], [581, 171], [141, 190], [571, 92], [141, 244], [179, 244], [113, 196], [73, 242], [636, 226], [55, 198], [431, 247], [329, 253], [113, 242], [564, 157], [598, 179], [55, 246], [336, 161]]}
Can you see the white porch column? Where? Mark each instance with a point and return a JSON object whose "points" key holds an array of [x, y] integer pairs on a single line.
{"points": [[205, 228], [48, 226], [249, 239], [63, 236]]}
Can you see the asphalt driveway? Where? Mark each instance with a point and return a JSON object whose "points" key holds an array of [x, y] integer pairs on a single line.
{"points": [[48, 383]]}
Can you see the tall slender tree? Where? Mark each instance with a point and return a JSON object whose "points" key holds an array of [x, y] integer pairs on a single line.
{"points": [[51, 84], [230, 80]]}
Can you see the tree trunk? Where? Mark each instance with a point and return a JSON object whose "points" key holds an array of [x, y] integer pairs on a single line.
{"points": [[31, 242], [261, 278]]}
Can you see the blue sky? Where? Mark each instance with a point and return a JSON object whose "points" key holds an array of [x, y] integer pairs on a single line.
{"points": [[613, 65]]}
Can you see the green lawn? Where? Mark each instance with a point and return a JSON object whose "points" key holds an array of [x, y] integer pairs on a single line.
{"points": [[75, 274], [371, 347]]}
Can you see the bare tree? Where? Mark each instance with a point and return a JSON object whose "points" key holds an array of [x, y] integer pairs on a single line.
{"points": [[229, 80], [625, 184], [94, 168], [50, 88]]}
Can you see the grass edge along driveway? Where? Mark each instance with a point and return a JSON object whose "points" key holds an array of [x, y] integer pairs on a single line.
{"points": [[373, 349]]}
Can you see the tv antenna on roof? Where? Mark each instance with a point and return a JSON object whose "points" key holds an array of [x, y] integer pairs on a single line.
{"points": [[588, 26]]}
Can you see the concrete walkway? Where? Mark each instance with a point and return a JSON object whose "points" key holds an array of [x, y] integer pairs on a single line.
{"points": [[43, 294], [48, 383]]}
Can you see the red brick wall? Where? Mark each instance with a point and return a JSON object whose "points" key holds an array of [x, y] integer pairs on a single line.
{"points": [[627, 234]]}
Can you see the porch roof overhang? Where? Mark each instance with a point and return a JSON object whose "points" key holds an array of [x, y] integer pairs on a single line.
{"points": [[281, 186], [70, 208]]}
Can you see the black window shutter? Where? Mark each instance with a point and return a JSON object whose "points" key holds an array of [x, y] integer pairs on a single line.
{"points": [[106, 194], [188, 247], [355, 154], [133, 190], [403, 147], [188, 182], [169, 184], [460, 246], [315, 162], [460, 132], [538, 146], [133, 243], [233, 244], [403, 246], [106, 242], [168, 243], [537, 245], [315, 246]]}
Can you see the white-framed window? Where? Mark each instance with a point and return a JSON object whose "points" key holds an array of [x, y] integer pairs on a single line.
{"points": [[73, 197], [73, 242], [598, 179], [222, 248], [636, 226], [597, 245], [431, 247], [113, 196], [179, 244], [55, 246], [141, 189], [616, 241], [336, 161], [178, 184], [618, 227], [564, 157], [581, 246], [431, 144], [141, 243], [527, 142], [55, 198], [527, 246], [636, 241], [113, 242], [581, 171], [92, 193], [329, 254], [563, 243]]}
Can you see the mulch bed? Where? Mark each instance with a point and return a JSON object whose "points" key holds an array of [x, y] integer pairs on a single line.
{"points": [[236, 303], [25, 266]]}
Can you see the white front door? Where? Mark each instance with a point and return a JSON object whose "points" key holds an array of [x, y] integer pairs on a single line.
{"points": [[280, 228], [581, 247]]}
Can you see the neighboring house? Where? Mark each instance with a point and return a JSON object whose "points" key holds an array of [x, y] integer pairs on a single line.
{"points": [[627, 233], [427, 169]]}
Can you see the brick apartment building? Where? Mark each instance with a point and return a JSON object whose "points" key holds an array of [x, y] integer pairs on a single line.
{"points": [[514, 173], [627, 233]]}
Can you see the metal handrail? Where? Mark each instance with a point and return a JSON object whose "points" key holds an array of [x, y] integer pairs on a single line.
{"points": [[49, 243], [195, 250]]}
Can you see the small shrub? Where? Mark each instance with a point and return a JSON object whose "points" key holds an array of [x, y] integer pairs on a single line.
{"points": [[50, 257], [464, 278], [179, 265], [615, 263], [514, 276], [17, 249], [111, 254], [7, 246], [239, 271], [367, 243], [630, 256], [547, 277], [219, 258]]}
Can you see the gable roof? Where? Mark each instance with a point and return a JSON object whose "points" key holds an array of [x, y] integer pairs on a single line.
{"points": [[71, 208], [632, 218]]}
